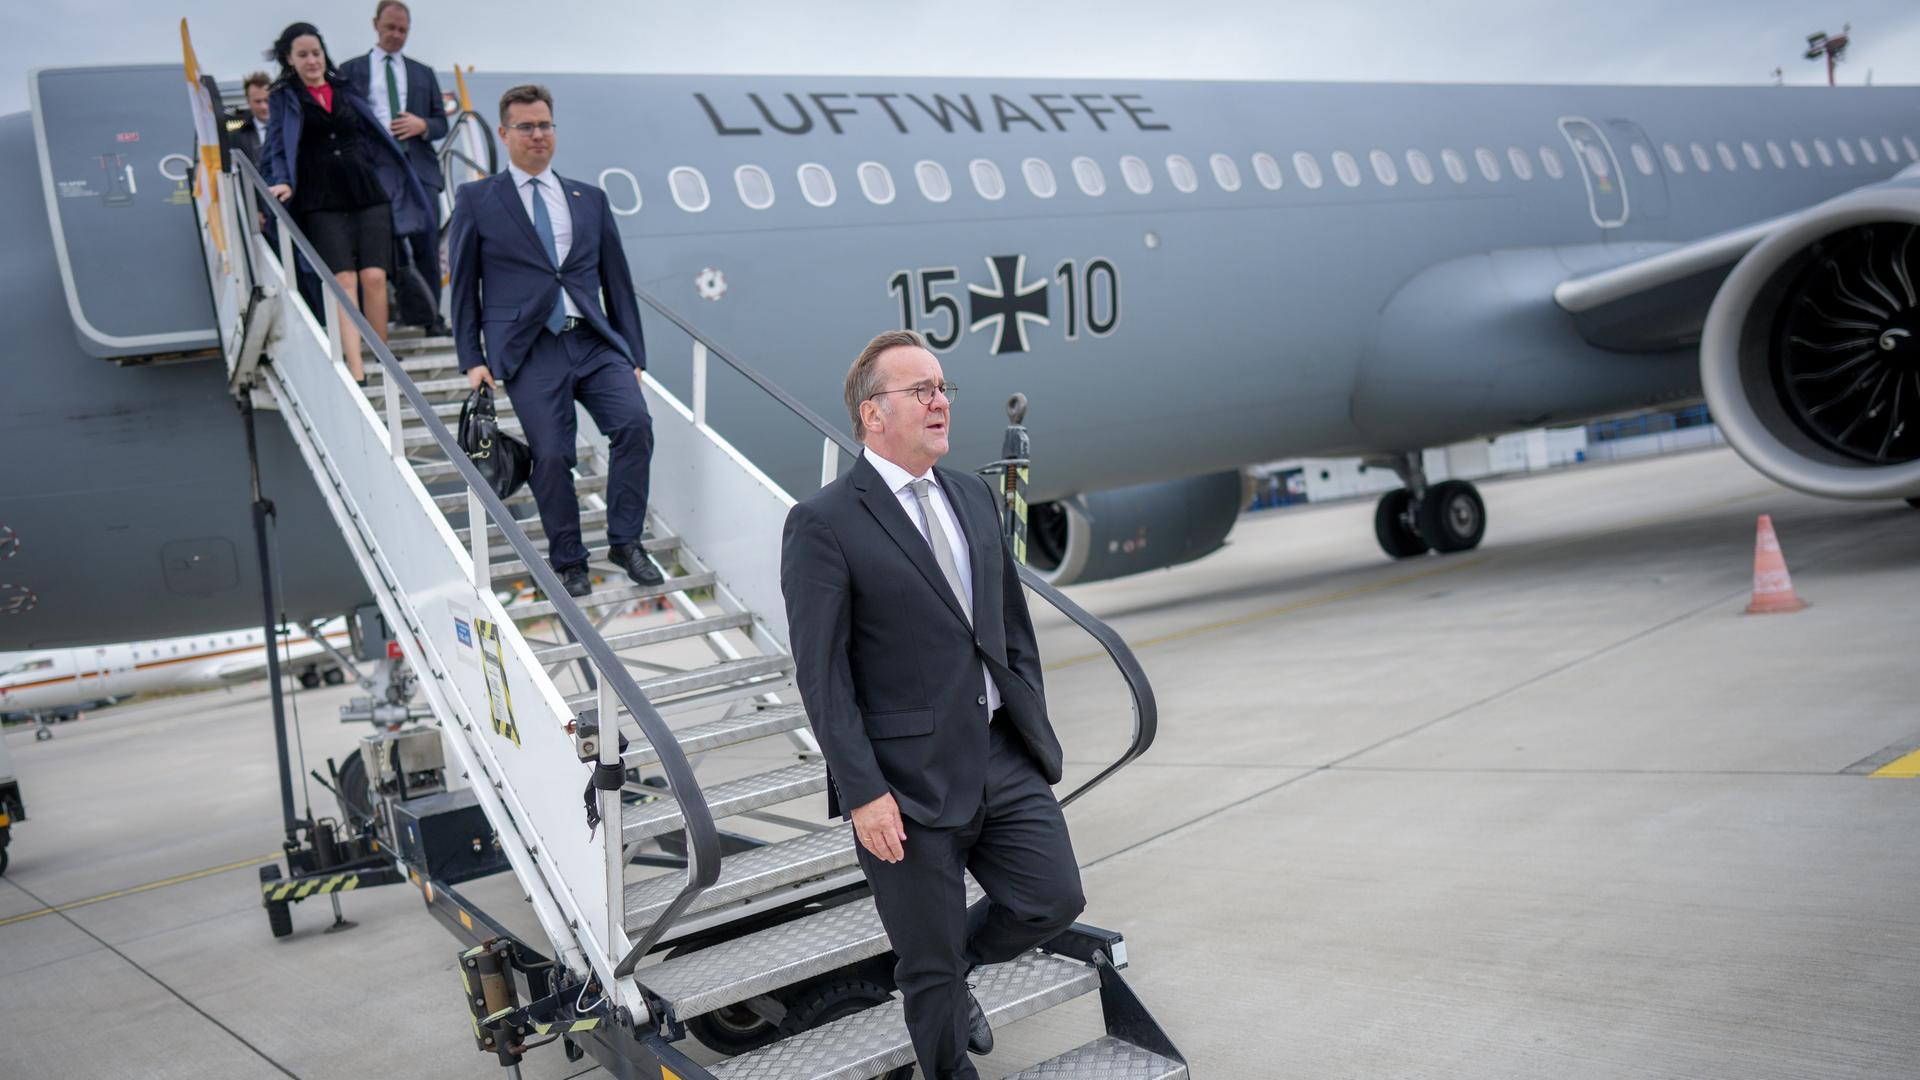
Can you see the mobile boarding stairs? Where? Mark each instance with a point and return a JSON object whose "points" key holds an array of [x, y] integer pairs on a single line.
{"points": [[658, 922]]}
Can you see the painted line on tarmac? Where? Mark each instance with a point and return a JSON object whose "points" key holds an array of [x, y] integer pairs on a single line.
{"points": [[1906, 767], [178, 879]]}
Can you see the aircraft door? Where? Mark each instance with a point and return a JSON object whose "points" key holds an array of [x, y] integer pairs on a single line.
{"points": [[90, 674], [1606, 187], [1649, 175]]}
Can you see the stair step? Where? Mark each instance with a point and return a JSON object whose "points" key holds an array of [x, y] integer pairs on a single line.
{"points": [[655, 545], [643, 820], [653, 635], [582, 485], [590, 535], [405, 347], [429, 387], [431, 471], [415, 434], [617, 594], [1106, 1057], [874, 1041], [731, 731], [744, 876], [701, 678]]}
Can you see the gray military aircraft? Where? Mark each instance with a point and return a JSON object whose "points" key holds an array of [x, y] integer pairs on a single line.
{"points": [[1182, 278]]}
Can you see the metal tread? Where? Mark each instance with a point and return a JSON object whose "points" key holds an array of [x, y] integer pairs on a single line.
{"points": [[430, 471], [655, 545], [874, 1041], [458, 384], [642, 820], [731, 731], [457, 500], [744, 876], [592, 532], [653, 635], [618, 595], [415, 434], [1105, 1058], [701, 678]]}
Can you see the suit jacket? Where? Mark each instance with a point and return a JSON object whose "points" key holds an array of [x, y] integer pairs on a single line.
{"points": [[423, 101], [504, 285], [247, 141], [887, 664], [280, 157]]}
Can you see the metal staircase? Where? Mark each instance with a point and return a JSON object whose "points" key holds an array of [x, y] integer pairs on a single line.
{"points": [[668, 924]]}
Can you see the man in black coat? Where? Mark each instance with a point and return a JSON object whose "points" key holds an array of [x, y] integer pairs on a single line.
{"points": [[406, 96], [917, 663]]}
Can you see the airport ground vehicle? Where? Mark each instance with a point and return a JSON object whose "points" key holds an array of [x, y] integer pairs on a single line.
{"points": [[13, 808]]}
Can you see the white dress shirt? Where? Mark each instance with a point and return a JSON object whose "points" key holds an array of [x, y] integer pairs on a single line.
{"points": [[899, 481], [377, 83], [260, 129], [557, 211]]}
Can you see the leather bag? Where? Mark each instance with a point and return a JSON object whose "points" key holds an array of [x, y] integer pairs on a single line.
{"points": [[503, 460]]}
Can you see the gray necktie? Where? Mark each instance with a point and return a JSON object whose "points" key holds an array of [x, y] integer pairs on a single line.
{"points": [[937, 539]]}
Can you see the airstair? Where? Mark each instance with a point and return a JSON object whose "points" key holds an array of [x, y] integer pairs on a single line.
{"points": [[759, 937]]}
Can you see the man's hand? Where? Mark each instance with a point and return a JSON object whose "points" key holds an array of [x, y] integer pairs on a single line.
{"points": [[477, 374], [282, 192], [879, 829], [640, 376], [407, 126]]}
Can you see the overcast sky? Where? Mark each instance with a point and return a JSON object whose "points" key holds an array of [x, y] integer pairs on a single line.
{"points": [[1622, 41]]}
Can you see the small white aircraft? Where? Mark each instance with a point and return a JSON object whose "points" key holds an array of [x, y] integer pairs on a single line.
{"points": [[59, 684]]}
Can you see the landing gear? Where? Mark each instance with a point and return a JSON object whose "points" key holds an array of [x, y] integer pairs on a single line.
{"points": [[309, 679], [1445, 517]]}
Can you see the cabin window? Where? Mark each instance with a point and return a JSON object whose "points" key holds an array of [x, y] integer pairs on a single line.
{"points": [[816, 184], [756, 187], [1087, 174], [1800, 152], [689, 189], [1642, 159], [1489, 165], [876, 183], [1383, 167], [932, 177], [987, 179], [1886, 143], [1701, 160], [1779, 157], [1180, 171], [1913, 152], [1419, 167], [1520, 163], [1867, 151], [1550, 161], [1846, 151], [1826, 154], [1726, 156], [1139, 178], [1455, 165], [1225, 172], [1267, 171], [1307, 168], [1039, 177], [1752, 154], [1675, 164], [1347, 169]]}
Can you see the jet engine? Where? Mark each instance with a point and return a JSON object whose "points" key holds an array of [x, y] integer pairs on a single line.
{"points": [[1110, 534], [1810, 356]]}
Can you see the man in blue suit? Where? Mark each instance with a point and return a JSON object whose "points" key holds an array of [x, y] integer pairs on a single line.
{"points": [[406, 96], [533, 254]]}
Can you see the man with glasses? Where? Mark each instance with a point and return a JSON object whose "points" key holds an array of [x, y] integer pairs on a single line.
{"points": [[917, 663], [533, 254]]}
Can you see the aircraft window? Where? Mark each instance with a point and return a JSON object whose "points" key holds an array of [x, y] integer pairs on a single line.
{"points": [[1846, 152], [30, 665], [1307, 168], [1383, 169], [1826, 155], [1800, 152], [1643, 159], [1675, 164], [1455, 166], [1726, 156], [1779, 157], [1180, 171], [756, 187], [1866, 147], [1700, 159], [876, 183], [1139, 178], [689, 189], [1521, 164], [1419, 167], [933, 181], [987, 179], [1752, 154], [1550, 161], [1886, 143], [1913, 152], [1347, 169], [1489, 165], [1039, 177], [1086, 173], [1225, 172], [1268, 171], [816, 183]]}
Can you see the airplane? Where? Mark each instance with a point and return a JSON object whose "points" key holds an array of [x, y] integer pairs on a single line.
{"points": [[1182, 278], [59, 684]]}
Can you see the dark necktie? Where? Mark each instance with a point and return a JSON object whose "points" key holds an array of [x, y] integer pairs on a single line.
{"points": [[393, 92], [543, 224]]}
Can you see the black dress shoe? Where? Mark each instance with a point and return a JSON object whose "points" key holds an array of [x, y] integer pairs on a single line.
{"points": [[633, 559], [439, 329], [979, 1033], [576, 581]]}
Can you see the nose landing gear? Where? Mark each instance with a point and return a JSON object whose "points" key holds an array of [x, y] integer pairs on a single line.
{"points": [[1445, 517]]}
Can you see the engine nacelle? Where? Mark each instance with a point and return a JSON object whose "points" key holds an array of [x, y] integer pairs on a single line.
{"points": [[1110, 534], [1810, 356]]}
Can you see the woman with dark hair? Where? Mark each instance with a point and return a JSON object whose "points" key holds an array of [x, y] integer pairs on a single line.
{"points": [[340, 172]]}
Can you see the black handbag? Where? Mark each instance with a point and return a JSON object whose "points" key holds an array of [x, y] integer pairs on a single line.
{"points": [[503, 460]]}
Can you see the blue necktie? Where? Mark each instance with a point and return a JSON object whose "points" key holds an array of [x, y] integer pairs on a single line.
{"points": [[543, 224]]}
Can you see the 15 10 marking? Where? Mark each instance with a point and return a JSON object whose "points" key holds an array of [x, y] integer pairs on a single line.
{"points": [[1009, 303]]}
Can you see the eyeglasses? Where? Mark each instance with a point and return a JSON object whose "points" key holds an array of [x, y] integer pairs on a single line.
{"points": [[542, 128], [922, 392]]}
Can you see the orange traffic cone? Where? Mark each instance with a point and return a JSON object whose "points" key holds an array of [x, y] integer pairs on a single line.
{"points": [[1772, 587]]}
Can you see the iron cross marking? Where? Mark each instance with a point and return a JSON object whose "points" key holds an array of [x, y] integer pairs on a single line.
{"points": [[1009, 305]]}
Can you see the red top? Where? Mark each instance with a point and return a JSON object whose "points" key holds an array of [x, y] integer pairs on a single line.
{"points": [[323, 94]]}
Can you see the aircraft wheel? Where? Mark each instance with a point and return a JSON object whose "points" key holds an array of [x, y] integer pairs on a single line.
{"points": [[1392, 527], [334, 677], [309, 679], [1452, 517], [42, 733], [1914, 502]]}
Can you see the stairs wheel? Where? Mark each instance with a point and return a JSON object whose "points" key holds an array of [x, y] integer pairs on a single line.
{"points": [[831, 1001], [356, 795], [1391, 527], [732, 1030], [3, 853], [279, 913]]}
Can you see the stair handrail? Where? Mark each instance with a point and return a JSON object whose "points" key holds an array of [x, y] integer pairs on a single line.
{"points": [[703, 840], [1146, 711]]}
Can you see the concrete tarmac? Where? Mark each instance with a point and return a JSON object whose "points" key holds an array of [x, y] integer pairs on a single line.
{"points": [[1551, 808]]}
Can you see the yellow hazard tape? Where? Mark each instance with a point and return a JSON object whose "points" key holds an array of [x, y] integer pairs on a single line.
{"points": [[1906, 767], [277, 891], [568, 1027]]}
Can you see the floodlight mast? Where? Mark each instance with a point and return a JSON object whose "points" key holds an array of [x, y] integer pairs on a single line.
{"points": [[1832, 48]]}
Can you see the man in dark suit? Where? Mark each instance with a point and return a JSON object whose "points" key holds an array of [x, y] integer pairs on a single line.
{"points": [[533, 253], [249, 136], [406, 97], [917, 663]]}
